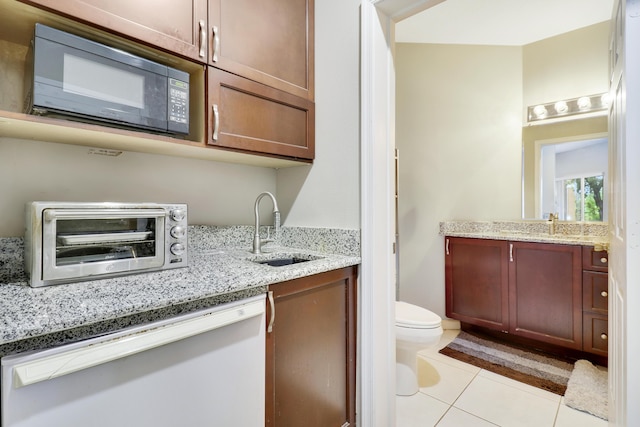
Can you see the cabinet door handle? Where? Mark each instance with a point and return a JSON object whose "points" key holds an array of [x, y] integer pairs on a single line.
{"points": [[447, 247], [273, 312], [604, 294], [203, 38], [604, 336], [216, 122], [216, 43], [603, 260], [510, 252]]}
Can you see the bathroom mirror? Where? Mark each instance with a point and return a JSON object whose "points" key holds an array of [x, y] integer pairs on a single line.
{"points": [[564, 170]]}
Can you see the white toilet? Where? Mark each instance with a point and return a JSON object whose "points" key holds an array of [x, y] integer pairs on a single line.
{"points": [[416, 329]]}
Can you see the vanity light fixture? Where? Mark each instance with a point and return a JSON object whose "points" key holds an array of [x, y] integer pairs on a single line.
{"points": [[568, 107]]}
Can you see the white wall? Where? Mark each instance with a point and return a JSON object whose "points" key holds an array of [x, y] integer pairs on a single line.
{"points": [[323, 195], [327, 194], [217, 193], [566, 66], [458, 115]]}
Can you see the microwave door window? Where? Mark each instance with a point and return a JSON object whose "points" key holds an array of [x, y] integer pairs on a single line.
{"points": [[95, 80]]}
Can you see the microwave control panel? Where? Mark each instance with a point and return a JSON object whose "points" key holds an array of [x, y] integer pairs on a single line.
{"points": [[178, 103]]}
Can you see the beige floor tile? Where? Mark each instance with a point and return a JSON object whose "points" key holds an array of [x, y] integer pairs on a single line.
{"points": [[419, 410], [441, 380], [506, 405], [457, 418], [569, 417]]}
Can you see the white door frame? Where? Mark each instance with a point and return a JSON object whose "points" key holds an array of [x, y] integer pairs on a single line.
{"points": [[377, 274]]}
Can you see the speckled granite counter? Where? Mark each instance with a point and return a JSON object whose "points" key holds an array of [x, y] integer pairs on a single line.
{"points": [[570, 233], [220, 270]]}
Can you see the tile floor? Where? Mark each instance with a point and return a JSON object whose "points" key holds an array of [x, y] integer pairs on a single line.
{"points": [[456, 394]]}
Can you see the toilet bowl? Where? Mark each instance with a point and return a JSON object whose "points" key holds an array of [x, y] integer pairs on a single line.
{"points": [[416, 329]]}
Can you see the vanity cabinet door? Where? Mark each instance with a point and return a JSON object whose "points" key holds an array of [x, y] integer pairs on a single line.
{"points": [[176, 26], [545, 293], [311, 351], [476, 281]]}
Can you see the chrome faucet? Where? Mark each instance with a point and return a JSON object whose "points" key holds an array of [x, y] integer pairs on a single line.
{"points": [[257, 241], [553, 218]]}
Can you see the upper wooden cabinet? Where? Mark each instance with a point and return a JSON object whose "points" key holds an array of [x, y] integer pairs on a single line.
{"points": [[177, 26], [251, 64], [267, 41], [252, 117]]}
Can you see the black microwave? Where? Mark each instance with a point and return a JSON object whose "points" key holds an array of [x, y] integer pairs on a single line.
{"points": [[76, 78]]}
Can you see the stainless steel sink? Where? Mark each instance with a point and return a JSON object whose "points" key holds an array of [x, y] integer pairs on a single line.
{"points": [[282, 261]]}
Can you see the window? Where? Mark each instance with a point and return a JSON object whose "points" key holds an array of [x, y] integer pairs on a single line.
{"points": [[580, 198]]}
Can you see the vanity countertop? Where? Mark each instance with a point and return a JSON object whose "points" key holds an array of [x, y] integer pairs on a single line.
{"points": [[217, 273], [569, 233]]}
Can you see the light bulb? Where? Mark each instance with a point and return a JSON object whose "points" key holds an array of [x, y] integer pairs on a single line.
{"points": [[584, 103], [540, 111], [561, 107]]}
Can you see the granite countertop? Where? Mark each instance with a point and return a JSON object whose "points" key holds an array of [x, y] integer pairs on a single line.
{"points": [[566, 232], [217, 273]]}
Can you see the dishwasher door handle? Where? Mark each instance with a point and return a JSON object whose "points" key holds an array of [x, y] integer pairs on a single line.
{"points": [[66, 362]]}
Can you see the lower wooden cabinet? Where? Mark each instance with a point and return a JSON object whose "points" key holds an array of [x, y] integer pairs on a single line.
{"points": [[545, 293], [477, 282], [595, 301], [551, 294], [311, 351]]}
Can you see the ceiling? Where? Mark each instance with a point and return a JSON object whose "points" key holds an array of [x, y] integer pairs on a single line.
{"points": [[500, 22]]}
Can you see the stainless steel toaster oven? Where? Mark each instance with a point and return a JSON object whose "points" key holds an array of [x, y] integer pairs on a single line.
{"points": [[68, 242]]}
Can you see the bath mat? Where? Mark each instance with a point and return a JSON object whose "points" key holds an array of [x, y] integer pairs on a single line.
{"points": [[587, 389], [528, 367]]}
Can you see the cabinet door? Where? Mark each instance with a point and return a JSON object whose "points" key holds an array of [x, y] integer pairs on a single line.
{"points": [[177, 26], [476, 280], [310, 370], [545, 293], [268, 41], [248, 116]]}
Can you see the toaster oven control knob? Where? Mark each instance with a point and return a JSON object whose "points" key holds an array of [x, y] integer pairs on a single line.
{"points": [[177, 215], [177, 249], [178, 232]]}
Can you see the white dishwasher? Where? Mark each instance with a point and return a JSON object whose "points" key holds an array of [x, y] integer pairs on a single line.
{"points": [[204, 368]]}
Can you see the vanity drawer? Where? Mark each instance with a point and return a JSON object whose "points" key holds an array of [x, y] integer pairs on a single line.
{"points": [[594, 260], [595, 333], [595, 291]]}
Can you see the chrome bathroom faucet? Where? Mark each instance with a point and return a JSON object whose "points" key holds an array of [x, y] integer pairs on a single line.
{"points": [[257, 241]]}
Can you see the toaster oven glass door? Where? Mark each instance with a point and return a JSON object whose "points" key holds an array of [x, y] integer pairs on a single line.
{"points": [[81, 243]]}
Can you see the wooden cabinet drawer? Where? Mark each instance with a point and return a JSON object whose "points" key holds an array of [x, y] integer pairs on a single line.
{"points": [[595, 333], [594, 260], [595, 291]]}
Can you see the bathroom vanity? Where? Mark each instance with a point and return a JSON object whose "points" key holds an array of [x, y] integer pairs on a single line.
{"points": [[540, 290]]}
